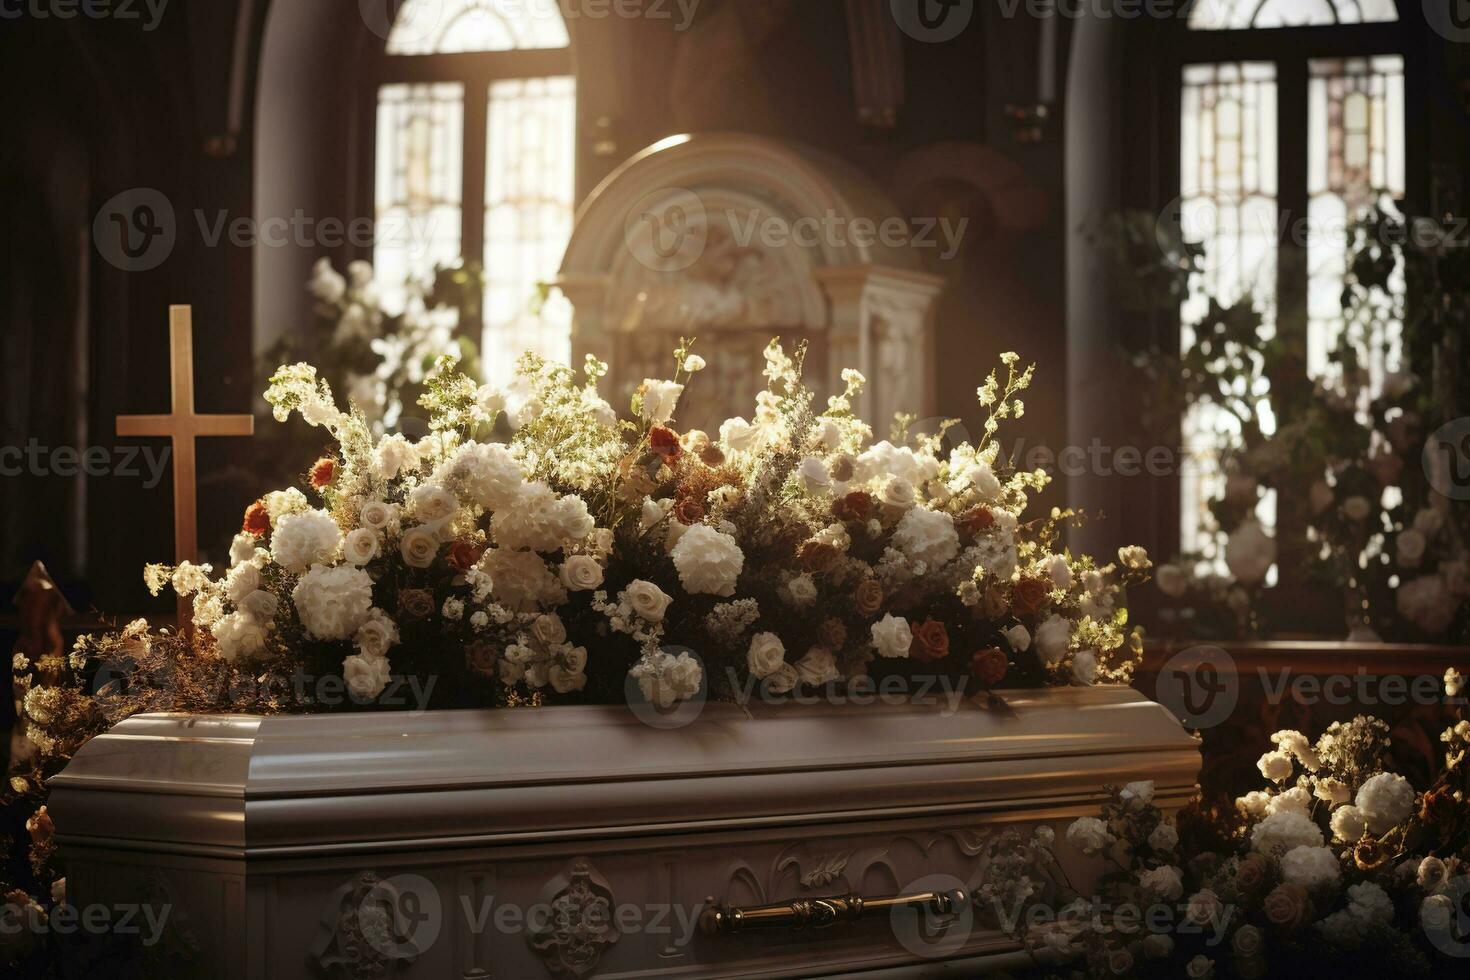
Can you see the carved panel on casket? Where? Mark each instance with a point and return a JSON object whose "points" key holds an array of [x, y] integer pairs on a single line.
{"points": [[578, 925], [363, 934]]}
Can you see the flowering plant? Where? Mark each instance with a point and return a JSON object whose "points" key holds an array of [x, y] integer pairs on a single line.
{"points": [[590, 555], [1337, 865]]}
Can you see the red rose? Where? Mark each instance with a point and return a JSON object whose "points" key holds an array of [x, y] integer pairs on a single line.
{"points": [[856, 506], [975, 520], [989, 666], [322, 472], [664, 442], [689, 511], [1027, 595], [818, 556], [931, 640], [257, 521], [463, 554]]}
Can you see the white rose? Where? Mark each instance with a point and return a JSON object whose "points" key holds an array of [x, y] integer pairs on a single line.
{"points": [[892, 636], [366, 677], [818, 667], [814, 477], [432, 503], [1204, 907], [333, 602], [1250, 552], [361, 546], [1200, 968], [378, 516], [782, 679], [1275, 766], [1164, 838], [647, 600], [597, 407], [1253, 804], [1137, 795], [693, 363], [708, 561], [1089, 835], [564, 681], [580, 573], [1052, 639], [1409, 549], [304, 539], [659, 399], [376, 634], [419, 546], [927, 536], [261, 605], [1431, 873], [549, 630], [1019, 638], [802, 590], [897, 494], [766, 654], [1164, 881], [1386, 800], [1454, 682]]}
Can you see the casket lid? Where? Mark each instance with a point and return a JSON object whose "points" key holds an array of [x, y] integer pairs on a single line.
{"points": [[237, 785]]}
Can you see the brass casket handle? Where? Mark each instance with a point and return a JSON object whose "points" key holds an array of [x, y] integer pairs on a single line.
{"points": [[819, 913]]}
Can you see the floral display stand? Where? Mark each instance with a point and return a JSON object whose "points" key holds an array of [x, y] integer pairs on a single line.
{"points": [[773, 841]]}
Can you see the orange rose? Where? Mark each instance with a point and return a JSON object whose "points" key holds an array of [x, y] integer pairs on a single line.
{"points": [[867, 597], [817, 556], [322, 472], [1250, 874], [415, 604], [257, 521], [41, 827], [1027, 595], [989, 666], [463, 554], [1288, 906], [931, 640]]}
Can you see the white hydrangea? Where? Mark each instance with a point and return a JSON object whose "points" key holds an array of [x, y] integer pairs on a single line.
{"points": [[522, 582], [1348, 824], [928, 536], [239, 635], [304, 539], [489, 473], [394, 455], [1278, 833], [1368, 902], [659, 400], [1386, 800], [1311, 867], [333, 602], [1296, 799], [708, 561], [1052, 638]]}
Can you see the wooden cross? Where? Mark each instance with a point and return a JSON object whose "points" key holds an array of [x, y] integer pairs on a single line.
{"points": [[183, 426]]}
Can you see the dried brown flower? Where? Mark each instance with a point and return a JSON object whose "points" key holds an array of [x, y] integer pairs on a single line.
{"points": [[414, 604], [867, 597]]}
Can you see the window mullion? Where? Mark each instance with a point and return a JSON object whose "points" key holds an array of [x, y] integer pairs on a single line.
{"points": [[476, 110], [1291, 285]]}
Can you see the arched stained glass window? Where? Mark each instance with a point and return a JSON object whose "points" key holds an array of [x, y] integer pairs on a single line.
{"points": [[475, 160], [1238, 15], [459, 26], [1284, 143]]}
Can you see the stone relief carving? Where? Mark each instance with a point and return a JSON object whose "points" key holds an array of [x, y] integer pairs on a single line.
{"points": [[363, 935], [571, 938]]}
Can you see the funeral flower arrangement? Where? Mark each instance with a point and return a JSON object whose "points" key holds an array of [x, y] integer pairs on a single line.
{"points": [[587, 555], [1338, 866]]}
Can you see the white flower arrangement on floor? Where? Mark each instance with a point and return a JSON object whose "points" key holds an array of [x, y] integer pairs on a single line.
{"points": [[1339, 867], [586, 554]]}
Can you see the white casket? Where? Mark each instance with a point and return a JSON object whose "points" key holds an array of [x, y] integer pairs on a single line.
{"points": [[580, 841]]}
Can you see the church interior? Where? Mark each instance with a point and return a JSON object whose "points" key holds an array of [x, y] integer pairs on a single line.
{"points": [[735, 488]]}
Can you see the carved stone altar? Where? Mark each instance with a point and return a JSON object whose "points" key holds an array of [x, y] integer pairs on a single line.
{"points": [[578, 841], [736, 239]]}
